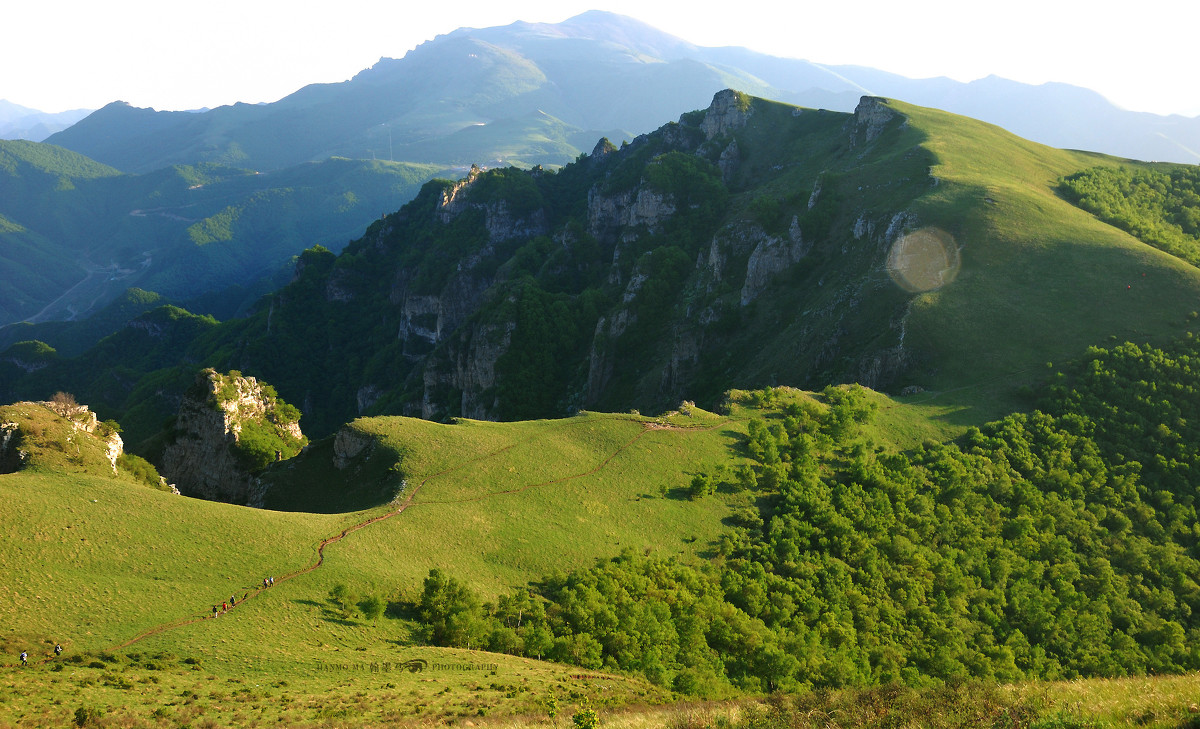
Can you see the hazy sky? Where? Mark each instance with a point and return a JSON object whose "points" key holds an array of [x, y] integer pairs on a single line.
{"points": [[182, 55]]}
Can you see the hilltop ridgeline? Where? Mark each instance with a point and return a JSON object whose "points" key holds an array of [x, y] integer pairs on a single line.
{"points": [[61, 436], [626, 279], [27, 428], [747, 244]]}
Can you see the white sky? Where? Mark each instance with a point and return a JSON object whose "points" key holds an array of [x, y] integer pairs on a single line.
{"points": [[171, 54]]}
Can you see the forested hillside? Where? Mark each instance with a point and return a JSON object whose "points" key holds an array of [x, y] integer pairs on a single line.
{"points": [[78, 233], [1160, 206], [1055, 544]]}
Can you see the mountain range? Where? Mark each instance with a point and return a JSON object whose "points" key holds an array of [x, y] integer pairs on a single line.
{"points": [[20, 122], [77, 233], [550, 90], [919, 442], [190, 203], [751, 242]]}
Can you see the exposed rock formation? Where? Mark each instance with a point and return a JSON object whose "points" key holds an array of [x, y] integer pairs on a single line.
{"points": [[603, 148], [11, 457], [729, 110], [469, 366], [368, 395], [348, 444], [870, 117], [728, 162], [204, 460], [610, 214], [772, 256], [84, 420], [453, 202], [502, 225]]}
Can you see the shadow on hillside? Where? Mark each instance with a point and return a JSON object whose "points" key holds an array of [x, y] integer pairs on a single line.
{"points": [[311, 482], [330, 612], [735, 442], [977, 405]]}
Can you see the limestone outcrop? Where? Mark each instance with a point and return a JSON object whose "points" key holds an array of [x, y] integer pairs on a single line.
{"points": [[728, 111], [611, 216], [772, 256], [348, 444], [870, 117], [212, 456]]}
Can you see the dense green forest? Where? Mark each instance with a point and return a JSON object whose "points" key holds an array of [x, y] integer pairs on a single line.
{"points": [[1160, 207], [1054, 544]]}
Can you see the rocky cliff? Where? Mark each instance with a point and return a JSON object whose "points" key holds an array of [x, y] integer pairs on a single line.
{"points": [[228, 428], [743, 245], [680, 253]]}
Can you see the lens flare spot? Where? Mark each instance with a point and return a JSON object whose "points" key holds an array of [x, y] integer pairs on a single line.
{"points": [[923, 260]]}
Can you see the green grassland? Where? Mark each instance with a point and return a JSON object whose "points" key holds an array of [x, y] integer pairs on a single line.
{"points": [[1039, 277], [506, 503], [95, 561]]}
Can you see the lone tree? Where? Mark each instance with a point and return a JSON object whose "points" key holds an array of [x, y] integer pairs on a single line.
{"points": [[64, 404], [344, 598], [372, 607]]}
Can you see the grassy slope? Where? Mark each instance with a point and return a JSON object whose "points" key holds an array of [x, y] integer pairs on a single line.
{"points": [[144, 558], [1039, 278], [96, 562], [499, 504]]}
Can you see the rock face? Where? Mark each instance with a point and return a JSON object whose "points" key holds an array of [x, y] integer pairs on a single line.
{"points": [[11, 458], [728, 111], [610, 215], [870, 117], [453, 201], [635, 267], [204, 461], [467, 365], [772, 256], [348, 444]]}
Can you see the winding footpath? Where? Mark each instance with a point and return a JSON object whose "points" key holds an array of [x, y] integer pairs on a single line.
{"points": [[407, 503]]}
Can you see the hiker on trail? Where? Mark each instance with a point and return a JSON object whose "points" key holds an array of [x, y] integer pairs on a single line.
{"points": [[224, 607], [272, 580], [233, 600], [214, 611], [24, 658], [57, 649], [265, 583]]}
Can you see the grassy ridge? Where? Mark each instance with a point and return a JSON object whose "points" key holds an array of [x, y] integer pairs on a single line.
{"points": [[146, 558], [128, 558], [506, 503], [1039, 280]]}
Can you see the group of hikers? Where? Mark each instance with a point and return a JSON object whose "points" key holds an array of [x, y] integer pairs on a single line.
{"points": [[267, 582], [58, 649]]}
